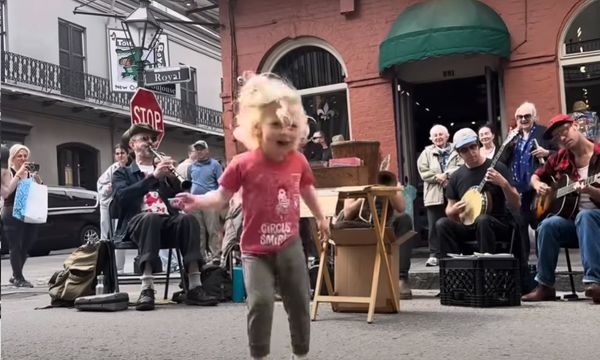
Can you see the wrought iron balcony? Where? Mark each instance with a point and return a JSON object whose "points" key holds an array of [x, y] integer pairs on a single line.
{"points": [[51, 78]]}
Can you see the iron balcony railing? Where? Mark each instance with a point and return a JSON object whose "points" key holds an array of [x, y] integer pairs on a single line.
{"points": [[51, 78]]}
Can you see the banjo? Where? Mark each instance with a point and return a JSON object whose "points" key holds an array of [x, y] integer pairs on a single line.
{"points": [[476, 200]]}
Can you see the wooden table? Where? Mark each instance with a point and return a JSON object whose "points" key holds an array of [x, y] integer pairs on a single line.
{"points": [[381, 257]]}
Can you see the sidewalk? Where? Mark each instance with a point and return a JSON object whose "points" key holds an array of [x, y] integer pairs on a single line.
{"points": [[427, 277]]}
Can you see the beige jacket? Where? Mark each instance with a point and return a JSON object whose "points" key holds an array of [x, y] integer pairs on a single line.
{"points": [[429, 166]]}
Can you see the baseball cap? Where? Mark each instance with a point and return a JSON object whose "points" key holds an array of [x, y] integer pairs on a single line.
{"points": [[464, 137], [555, 122], [201, 143]]}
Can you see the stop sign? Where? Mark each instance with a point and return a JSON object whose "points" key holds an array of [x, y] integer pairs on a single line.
{"points": [[145, 109]]}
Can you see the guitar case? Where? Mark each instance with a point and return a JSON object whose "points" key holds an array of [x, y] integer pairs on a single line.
{"points": [[103, 302]]}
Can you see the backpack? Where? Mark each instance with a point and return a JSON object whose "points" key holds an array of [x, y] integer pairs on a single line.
{"points": [[78, 278], [217, 282]]}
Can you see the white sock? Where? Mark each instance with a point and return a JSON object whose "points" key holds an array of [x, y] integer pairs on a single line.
{"points": [[147, 282], [194, 279]]}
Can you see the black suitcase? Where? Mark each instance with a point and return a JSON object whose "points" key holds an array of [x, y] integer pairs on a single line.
{"points": [[104, 302]]}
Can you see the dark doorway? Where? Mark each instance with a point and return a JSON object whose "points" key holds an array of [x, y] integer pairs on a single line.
{"points": [[77, 165], [455, 104], [467, 102]]}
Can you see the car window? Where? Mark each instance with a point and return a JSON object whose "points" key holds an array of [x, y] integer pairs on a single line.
{"points": [[58, 198], [82, 198]]}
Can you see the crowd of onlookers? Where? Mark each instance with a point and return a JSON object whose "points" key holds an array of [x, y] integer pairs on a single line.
{"points": [[531, 158]]}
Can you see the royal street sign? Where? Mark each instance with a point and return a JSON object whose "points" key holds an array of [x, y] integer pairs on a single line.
{"points": [[167, 75]]}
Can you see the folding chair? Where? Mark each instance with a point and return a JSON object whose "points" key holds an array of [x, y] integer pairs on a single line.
{"points": [[573, 295], [130, 245], [574, 245]]}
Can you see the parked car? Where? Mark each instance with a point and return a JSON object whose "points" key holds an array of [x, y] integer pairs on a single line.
{"points": [[73, 219]]}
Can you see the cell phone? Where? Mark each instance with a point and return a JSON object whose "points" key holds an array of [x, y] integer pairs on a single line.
{"points": [[534, 147], [33, 167]]}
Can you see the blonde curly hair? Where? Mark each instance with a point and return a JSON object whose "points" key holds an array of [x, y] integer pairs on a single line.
{"points": [[262, 93]]}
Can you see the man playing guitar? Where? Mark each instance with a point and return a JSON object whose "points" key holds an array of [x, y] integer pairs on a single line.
{"points": [[451, 231], [578, 158]]}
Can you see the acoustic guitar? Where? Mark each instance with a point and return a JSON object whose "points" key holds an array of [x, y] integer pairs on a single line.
{"points": [[562, 199], [476, 200]]}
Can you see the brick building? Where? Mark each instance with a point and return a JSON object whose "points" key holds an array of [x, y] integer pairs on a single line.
{"points": [[389, 69]]}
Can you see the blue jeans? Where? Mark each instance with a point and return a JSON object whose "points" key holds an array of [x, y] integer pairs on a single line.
{"points": [[556, 232]]}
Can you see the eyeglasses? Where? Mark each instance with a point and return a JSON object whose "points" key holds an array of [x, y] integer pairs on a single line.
{"points": [[526, 117], [561, 131], [146, 138], [465, 149]]}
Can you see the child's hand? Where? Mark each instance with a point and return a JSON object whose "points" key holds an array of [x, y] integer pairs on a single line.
{"points": [[185, 201], [323, 226]]}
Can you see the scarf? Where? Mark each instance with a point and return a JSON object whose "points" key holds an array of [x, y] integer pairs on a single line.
{"points": [[522, 165], [443, 155]]}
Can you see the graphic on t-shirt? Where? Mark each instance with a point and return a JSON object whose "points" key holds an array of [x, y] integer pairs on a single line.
{"points": [[152, 203], [283, 203], [283, 196]]}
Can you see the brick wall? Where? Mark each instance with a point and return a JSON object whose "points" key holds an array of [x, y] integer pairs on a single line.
{"points": [[261, 25]]}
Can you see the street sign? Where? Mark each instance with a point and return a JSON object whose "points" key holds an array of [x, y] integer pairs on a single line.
{"points": [[166, 89], [167, 75], [145, 109]]}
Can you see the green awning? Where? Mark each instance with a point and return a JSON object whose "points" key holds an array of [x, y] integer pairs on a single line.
{"points": [[444, 27]]}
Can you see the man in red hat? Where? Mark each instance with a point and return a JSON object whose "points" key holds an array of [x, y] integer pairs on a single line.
{"points": [[578, 158]]}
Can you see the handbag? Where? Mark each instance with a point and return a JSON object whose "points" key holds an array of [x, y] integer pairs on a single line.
{"points": [[31, 202]]}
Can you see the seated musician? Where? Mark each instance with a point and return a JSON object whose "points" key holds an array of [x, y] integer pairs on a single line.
{"points": [[142, 191], [578, 158], [400, 222], [487, 227]]}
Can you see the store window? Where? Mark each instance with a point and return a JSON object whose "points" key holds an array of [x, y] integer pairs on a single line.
{"points": [[580, 68], [77, 165], [320, 80]]}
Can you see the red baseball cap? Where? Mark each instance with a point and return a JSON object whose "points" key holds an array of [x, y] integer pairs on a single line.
{"points": [[555, 122]]}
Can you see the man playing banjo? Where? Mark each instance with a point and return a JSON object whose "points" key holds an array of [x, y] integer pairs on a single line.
{"points": [[579, 158], [486, 227]]}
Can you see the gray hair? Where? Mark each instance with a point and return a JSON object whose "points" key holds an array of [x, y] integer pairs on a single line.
{"points": [[438, 127], [529, 107]]}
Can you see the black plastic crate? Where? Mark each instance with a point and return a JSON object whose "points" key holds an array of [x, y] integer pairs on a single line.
{"points": [[480, 281]]}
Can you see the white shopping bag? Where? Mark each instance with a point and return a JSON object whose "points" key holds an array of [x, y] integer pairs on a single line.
{"points": [[36, 209]]}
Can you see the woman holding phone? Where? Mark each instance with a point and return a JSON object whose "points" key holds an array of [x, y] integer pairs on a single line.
{"points": [[20, 235]]}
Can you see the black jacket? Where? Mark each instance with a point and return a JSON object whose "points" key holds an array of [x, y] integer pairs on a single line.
{"points": [[129, 187]]}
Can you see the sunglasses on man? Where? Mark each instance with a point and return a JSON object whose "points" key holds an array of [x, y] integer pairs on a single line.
{"points": [[147, 138], [526, 117]]}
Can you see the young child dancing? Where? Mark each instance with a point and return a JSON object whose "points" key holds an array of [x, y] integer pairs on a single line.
{"points": [[273, 175]]}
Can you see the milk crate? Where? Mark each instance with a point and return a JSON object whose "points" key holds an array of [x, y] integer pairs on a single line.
{"points": [[480, 281]]}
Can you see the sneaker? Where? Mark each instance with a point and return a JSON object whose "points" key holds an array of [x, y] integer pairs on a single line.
{"points": [[405, 291], [22, 283], [432, 261], [297, 357], [197, 296], [146, 300]]}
